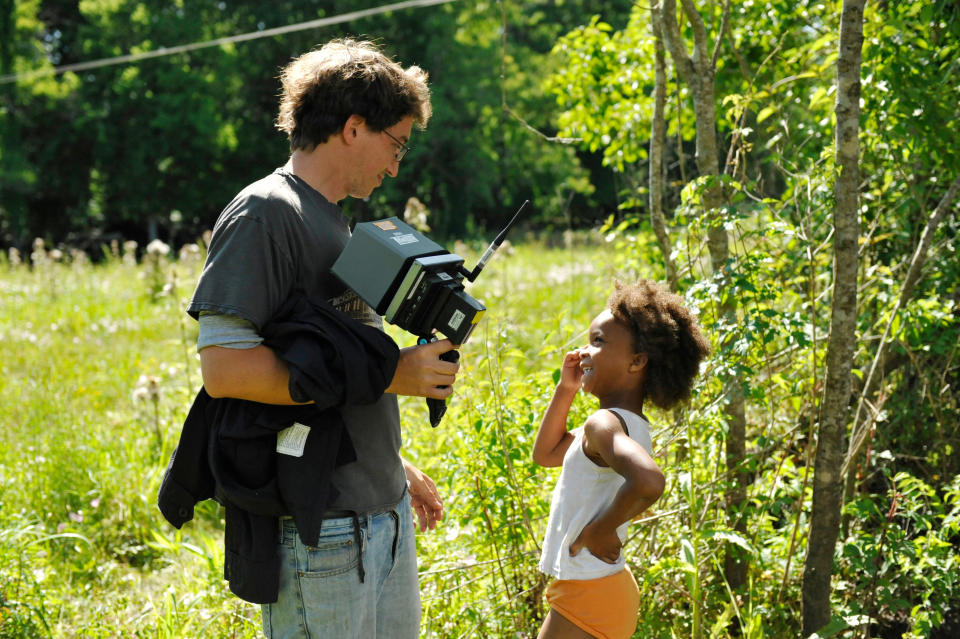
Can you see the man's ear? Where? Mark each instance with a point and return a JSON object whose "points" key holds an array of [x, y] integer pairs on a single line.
{"points": [[639, 362], [351, 128]]}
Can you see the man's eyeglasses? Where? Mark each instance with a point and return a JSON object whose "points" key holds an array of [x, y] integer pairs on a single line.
{"points": [[401, 147]]}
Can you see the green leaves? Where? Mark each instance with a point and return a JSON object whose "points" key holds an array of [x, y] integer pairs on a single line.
{"points": [[603, 86], [901, 557]]}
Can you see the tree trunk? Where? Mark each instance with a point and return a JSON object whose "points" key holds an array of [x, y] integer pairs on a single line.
{"points": [[698, 72], [835, 406], [8, 24], [657, 144]]}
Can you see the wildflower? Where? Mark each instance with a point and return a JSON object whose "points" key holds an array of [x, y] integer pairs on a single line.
{"points": [[415, 214], [130, 252], [39, 254], [148, 387], [190, 253], [157, 248], [79, 257], [14, 256], [452, 532]]}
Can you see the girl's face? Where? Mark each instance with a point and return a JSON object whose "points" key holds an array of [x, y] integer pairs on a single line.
{"points": [[609, 361]]}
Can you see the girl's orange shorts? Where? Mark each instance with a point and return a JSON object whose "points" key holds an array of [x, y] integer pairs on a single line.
{"points": [[606, 608]]}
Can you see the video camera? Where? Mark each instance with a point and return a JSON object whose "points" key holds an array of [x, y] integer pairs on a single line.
{"points": [[414, 283]]}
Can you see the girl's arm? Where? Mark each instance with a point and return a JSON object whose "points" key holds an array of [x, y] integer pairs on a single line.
{"points": [[552, 438], [605, 441]]}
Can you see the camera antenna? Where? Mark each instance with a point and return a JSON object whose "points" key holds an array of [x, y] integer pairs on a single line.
{"points": [[493, 246]]}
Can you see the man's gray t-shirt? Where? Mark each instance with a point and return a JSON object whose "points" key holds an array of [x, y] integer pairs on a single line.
{"points": [[278, 236]]}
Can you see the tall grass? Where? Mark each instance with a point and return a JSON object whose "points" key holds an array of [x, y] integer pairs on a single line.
{"points": [[98, 368], [98, 371], [93, 388]]}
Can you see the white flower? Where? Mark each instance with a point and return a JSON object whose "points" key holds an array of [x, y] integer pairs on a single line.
{"points": [[157, 247], [415, 214], [148, 387], [190, 253]]}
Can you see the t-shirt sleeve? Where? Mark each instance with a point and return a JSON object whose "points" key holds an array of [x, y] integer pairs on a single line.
{"points": [[228, 331], [248, 272]]}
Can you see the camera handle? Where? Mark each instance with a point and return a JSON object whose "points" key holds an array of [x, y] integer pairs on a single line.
{"points": [[438, 407]]}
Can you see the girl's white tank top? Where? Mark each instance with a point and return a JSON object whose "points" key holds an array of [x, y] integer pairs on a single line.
{"points": [[583, 491]]}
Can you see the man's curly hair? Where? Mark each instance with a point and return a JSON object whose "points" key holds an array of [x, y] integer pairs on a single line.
{"points": [[323, 88], [667, 332]]}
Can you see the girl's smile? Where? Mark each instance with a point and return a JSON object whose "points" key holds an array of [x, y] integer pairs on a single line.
{"points": [[609, 359]]}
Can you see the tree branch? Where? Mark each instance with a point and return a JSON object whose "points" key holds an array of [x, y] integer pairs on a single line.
{"points": [[657, 143], [861, 427], [674, 42], [699, 34], [724, 23]]}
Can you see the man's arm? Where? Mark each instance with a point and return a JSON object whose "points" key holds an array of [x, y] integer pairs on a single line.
{"points": [[258, 375], [424, 499], [254, 374]]}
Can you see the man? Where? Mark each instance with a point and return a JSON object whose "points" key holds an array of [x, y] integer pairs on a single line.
{"points": [[348, 111]]}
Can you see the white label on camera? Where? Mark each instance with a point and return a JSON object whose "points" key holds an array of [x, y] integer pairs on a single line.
{"points": [[291, 441], [406, 238], [456, 319], [444, 276]]}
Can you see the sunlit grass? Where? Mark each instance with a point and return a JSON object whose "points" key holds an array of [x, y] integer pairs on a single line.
{"points": [[86, 551], [97, 371]]}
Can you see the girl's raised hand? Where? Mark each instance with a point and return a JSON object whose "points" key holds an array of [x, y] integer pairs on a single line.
{"points": [[570, 372]]}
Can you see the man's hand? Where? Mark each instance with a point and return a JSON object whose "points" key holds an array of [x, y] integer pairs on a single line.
{"points": [[424, 498], [421, 372], [604, 544]]}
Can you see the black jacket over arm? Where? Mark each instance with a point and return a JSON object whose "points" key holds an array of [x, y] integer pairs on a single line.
{"points": [[228, 447]]}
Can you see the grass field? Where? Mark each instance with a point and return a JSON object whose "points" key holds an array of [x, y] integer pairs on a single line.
{"points": [[98, 370]]}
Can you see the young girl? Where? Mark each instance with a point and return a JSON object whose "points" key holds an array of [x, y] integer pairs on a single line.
{"points": [[644, 346]]}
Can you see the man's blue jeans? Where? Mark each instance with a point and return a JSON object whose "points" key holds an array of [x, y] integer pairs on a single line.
{"points": [[321, 595]]}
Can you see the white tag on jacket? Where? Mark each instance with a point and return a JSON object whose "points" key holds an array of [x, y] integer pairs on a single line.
{"points": [[291, 441]]}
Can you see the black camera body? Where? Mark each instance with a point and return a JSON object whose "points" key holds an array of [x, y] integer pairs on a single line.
{"points": [[415, 283], [409, 279]]}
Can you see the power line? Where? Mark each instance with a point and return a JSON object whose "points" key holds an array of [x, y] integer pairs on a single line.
{"points": [[243, 37]]}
